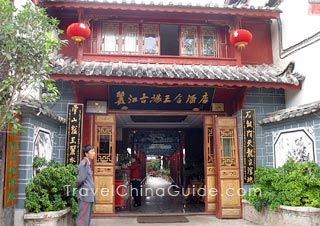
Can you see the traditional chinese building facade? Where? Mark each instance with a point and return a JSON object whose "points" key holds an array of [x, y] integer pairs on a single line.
{"points": [[163, 78]]}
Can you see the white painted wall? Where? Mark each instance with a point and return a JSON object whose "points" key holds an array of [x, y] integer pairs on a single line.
{"points": [[20, 3], [298, 25]]}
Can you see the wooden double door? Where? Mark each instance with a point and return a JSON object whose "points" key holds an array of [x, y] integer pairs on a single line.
{"points": [[221, 166]]}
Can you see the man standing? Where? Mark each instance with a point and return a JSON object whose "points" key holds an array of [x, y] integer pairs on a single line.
{"points": [[85, 187]]}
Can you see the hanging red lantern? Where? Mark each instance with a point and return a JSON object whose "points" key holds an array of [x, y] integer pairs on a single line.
{"points": [[240, 38], [78, 31]]}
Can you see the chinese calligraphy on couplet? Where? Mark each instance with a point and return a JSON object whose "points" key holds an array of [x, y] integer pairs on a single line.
{"points": [[249, 145], [11, 167], [74, 133]]}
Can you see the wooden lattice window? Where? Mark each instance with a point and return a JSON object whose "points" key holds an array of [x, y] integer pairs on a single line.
{"points": [[130, 38], [150, 35], [227, 141], [104, 141], [189, 41], [208, 41], [110, 38]]}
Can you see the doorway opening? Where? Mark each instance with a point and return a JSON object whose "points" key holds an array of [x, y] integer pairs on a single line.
{"points": [[172, 163]]}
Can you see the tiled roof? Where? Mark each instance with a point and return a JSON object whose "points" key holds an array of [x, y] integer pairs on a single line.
{"points": [[290, 113], [250, 73], [35, 109], [250, 4]]}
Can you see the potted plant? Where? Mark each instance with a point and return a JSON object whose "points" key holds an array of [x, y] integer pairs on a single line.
{"points": [[289, 193], [50, 195]]}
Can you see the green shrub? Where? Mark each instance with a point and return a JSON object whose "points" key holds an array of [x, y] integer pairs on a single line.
{"points": [[293, 184], [48, 190]]}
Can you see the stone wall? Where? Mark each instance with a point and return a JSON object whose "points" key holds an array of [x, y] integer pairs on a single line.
{"points": [[284, 216], [53, 218]]}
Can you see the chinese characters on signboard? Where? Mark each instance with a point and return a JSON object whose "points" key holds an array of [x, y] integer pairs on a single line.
{"points": [[74, 133], [249, 145], [11, 168], [160, 98]]}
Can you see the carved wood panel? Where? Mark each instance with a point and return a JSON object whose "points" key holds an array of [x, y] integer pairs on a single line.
{"points": [[104, 171], [210, 172], [227, 160]]}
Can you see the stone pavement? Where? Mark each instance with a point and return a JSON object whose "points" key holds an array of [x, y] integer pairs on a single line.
{"points": [[194, 220]]}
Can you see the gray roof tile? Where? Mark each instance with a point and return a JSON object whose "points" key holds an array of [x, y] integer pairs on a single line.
{"points": [[251, 73], [290, 113], [250, 5]]}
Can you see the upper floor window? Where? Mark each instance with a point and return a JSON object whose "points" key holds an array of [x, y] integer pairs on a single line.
{"points": [[163, 39], [189, 39], [150, 35], [130, 38], [110, 38], [208, 41]]}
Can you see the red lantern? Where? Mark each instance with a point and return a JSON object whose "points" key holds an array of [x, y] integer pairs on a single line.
{"points": [[78, 31], [240, 38]]}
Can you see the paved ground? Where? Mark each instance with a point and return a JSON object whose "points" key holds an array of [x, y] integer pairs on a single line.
{"points": [[165, 205], [197, 220]]}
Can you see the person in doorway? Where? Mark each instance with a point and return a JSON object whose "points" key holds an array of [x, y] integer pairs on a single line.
{"points": [[85, 186], [135, 177]]}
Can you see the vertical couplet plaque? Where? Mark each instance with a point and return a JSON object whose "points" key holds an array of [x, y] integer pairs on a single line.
{"points": [[74, 133], [249, 145]]}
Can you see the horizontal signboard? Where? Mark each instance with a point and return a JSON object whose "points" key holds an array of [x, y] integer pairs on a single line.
{"points": [[131, 97]]}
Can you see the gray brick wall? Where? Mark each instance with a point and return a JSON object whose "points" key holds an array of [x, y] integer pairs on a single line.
{"points": [[60, 107], [263, 101], [29, 122], [269, 100]]}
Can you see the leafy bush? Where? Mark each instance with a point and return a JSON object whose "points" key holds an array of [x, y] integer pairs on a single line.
{"points": [[293, 184], [52, 189]]}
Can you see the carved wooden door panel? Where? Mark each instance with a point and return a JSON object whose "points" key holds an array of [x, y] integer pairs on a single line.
{"points": [[209, 165], [104, 132], [228, 168]]}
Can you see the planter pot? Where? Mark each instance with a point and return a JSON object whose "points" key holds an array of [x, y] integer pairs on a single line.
{"points": [[52, 218], [283, 216]]}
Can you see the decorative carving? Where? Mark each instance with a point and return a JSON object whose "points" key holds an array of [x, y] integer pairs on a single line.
{"points": [[231, 212], [211, 206], [103, 208], [211, 171], [104, 189], [103, 170], [105, 118], [229, 193], [229, 173], [210, 145]]}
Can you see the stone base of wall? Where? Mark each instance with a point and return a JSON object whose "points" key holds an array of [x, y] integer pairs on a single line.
{"points": [[53, 218], [284, 216]]}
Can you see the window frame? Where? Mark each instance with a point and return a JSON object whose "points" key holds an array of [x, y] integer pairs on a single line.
{"points": [[220, 42]]}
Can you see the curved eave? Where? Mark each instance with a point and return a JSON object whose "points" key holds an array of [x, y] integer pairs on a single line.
{"points": [[174, 81], [261, 13]]}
